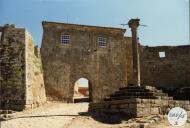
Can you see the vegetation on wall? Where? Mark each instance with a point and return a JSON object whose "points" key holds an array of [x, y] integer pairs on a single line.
{"points": [[12, 69]]}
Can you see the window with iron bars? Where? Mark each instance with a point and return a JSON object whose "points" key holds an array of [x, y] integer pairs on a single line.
{"points": [[65, 38], [102, 41]]}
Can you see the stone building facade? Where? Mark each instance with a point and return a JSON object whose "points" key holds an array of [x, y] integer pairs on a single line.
{"points": [[22, 84], [71, 51], [106, 67]]}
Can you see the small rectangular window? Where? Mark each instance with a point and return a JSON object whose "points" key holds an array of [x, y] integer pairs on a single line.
{"points": [[102, 41], [65, 38], [162, 54]]}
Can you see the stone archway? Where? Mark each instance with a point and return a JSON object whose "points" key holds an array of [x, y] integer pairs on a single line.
{"points": [[82, 90]]}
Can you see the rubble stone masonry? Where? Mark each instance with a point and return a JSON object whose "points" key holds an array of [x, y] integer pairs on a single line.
{"points": [[104, 67], [21, 77], [169, 72]]}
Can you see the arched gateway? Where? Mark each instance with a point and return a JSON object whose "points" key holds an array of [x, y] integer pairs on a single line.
{"points": [[71, 51], [82, 90]]}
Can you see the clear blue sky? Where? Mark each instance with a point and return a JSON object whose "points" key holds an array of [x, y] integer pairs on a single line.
{"points": [[167, 20], [83, 82]]}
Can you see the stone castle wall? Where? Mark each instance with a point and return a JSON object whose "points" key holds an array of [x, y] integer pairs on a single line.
{"points": [[12, 61], [170, 72], [15, 54], [64, 64], [35, 88]]}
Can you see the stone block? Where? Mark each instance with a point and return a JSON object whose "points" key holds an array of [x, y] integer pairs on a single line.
{"points": [[140, 112], [113, 106], [155, 105], [152, 101], [146, 111], [129, 112], [138, 100], [132, 105], [141, 105], [145, 101], [124, 106], [165, 102], [154, 111], [158, 101]]}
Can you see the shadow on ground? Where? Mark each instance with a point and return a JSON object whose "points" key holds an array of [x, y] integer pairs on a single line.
{"points": [[106, 118]]}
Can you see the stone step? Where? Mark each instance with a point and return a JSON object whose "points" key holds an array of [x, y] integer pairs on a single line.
{"points": [[119, 93], [160, 94], [133, 90], [146, 92], [113, 97], [129, 97], [164, 97], [159, 91], [150, 88], [141, 89], [133, 94], [131, 87]]}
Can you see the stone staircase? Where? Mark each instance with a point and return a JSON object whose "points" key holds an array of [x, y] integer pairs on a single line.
{"points": [[146, 92], [138, 101]]}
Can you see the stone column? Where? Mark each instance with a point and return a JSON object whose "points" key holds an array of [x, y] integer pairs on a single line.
{"points": [[133, 24]]}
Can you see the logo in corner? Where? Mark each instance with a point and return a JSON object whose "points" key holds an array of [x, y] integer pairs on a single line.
{"points": [[177, 116]]}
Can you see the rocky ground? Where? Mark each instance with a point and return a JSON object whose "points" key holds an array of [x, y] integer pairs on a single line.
{"points": [[61, 115]]}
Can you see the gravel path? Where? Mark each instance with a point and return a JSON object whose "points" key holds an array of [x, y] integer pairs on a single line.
{"points": [[61, 115], [56, 115]]}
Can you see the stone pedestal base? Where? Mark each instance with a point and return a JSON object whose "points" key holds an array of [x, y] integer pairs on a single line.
{"points": [[138, 102]]}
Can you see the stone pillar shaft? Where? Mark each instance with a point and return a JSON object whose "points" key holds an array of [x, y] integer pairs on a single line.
{"points": [[133, 24]]}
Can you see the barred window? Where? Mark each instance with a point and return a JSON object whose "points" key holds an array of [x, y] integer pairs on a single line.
{"points": [[65, 38], [102, 41]]}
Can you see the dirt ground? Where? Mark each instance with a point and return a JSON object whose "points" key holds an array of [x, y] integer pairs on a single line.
{"points": [[61, 115]]}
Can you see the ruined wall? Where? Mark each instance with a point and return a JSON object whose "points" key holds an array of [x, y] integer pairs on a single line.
{"points": [[13, 61], [169, 72], [64, 64]]}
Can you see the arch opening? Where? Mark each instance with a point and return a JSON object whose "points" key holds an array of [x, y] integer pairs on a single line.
{"points": [[82, 90]]}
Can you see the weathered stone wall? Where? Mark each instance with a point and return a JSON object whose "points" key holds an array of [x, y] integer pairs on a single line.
{"points": [[64, 64], [12, 61], [18, 67], [129, 60], [35, 88], [170, 72], [137, 107]]}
